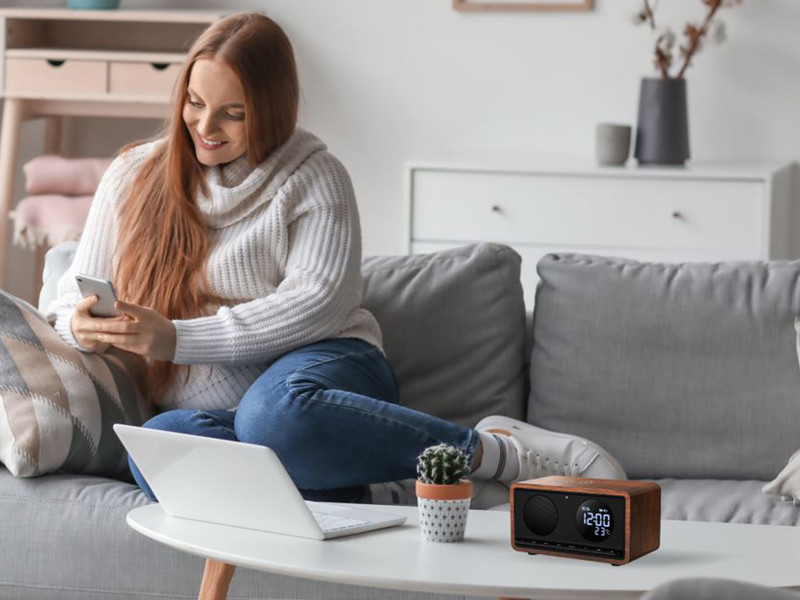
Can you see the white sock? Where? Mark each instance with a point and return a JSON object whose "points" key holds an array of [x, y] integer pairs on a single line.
{"points": [[499, 460]]}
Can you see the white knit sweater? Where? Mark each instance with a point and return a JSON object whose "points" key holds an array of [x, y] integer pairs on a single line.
{"points": [[285, 254]]}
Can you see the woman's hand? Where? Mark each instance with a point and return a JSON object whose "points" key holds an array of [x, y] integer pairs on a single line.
{"points": [[85, 326], [140, 330]]}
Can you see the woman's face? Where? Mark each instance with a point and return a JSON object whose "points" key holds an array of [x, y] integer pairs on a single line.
{"points": [[214, 113]]}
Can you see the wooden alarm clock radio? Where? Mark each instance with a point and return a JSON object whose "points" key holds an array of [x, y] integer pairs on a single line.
{"points": [[605, 520]]}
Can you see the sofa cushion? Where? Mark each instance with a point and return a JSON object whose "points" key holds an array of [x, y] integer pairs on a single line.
{"points": [[64, 537], [679, 370], [718, 500], [453, 328], [724, 501], [57, 404]]}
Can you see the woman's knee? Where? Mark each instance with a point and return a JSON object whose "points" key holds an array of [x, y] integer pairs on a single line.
{"points": [[266, 418], [286, 418]]}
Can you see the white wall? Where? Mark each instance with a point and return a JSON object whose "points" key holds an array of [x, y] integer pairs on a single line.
{"points": [[388, 81]]}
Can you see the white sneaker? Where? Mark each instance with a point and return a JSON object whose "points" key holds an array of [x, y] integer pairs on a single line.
{"points": [[787, 484], [542, 452]]}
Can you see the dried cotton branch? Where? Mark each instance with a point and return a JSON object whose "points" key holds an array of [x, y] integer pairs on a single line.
{"points": [[717, 33], [693, 35]]}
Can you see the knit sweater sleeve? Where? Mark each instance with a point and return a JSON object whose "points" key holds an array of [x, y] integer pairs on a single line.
{"points": [[322, 282], [94, 254]]}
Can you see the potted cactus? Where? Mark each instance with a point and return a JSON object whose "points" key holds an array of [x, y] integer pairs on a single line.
{"points": [[443, 496]]}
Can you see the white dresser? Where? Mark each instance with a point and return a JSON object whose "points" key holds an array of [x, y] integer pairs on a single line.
{"points": [[699, 213]]}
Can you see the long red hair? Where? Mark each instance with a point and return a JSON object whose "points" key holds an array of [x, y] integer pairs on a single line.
{"points": [[163, 243]]}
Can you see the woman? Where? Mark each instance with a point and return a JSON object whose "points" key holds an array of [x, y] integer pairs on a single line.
{"points": [[233, 241]]}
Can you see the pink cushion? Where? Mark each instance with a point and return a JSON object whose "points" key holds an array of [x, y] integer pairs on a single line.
{"points": [[52, 174], [50, 219]]}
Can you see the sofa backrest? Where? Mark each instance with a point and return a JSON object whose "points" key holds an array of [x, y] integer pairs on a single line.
{"points": [[453, 328], [679, 370]]}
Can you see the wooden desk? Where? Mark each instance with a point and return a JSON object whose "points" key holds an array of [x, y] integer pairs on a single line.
{"points": [[61, 62]]}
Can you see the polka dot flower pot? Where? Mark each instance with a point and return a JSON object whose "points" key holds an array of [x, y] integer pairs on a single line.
{"points": [[443, 510]]}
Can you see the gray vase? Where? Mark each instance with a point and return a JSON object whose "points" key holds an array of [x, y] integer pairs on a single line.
{"points": [[662, 134]]}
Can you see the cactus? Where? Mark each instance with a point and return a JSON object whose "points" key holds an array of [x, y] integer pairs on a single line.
{"points": [[441, 465]]}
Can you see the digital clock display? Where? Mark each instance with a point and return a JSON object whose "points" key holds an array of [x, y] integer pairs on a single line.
{"points": [[594, 520]]}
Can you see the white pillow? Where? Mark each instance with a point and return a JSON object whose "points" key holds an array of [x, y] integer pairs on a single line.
{"points": [[56, 262], [57, 404], [787, 483]]}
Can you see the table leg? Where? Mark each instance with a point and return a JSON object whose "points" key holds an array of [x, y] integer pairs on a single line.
{"points": [[9, 137], [216, 579]]}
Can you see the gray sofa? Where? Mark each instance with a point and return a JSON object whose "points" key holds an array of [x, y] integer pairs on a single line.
{"points": [[686, 373]]}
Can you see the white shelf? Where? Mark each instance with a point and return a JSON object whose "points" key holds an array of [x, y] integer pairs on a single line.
{"points": [[110, 98], [106, 55], [107, 71], [141, 16]]}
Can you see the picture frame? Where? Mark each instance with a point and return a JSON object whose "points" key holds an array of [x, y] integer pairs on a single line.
{"points": [[523, 5]]}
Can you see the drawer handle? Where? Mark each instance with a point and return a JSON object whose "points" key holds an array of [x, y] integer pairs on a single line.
{"points": [[159, 66], [55, 63], [677, 214]]}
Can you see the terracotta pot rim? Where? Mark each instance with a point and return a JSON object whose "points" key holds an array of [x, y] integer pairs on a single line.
{"points": [[456, 491]]}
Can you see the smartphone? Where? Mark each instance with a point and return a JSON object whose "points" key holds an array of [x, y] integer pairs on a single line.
{"points": [[104, 290]]}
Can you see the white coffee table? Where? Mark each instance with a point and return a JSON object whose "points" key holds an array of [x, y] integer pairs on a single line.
{"points": [[484, 563]]}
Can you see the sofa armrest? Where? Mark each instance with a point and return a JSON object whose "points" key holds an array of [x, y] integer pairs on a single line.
{"points": [[56, 262]]}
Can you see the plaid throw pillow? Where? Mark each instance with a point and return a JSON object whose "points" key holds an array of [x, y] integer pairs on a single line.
{"points": [[57, 404]]}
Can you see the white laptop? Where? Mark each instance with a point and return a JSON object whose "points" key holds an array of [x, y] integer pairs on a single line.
{"points": [[238, 484]]}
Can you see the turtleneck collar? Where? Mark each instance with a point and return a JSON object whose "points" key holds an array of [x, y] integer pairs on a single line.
{"points": [[237, 189]]}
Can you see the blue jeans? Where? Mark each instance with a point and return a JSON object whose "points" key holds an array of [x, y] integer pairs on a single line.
{"points": [[330, 412]]}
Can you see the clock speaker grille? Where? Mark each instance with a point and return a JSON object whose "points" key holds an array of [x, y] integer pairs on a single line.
{"points": [[540, 515]]}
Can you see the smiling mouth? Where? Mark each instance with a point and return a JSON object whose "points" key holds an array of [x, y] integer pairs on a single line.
{"points": [[209, 144]]}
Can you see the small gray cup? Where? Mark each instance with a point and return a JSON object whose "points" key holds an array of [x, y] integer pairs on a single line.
{"points": [[612, 144]]}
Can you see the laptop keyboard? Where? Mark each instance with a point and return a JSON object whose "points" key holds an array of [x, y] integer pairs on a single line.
{"points": [[333, 523]]}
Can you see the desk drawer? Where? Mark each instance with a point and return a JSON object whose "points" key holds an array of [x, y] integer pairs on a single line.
{"points": [[51, 76], [599, 211], [142, 79]]}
